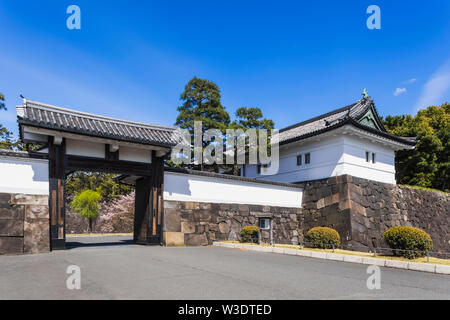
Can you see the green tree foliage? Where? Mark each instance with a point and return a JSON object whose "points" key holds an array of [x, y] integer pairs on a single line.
{"points": [[428, 165], [104, 183], [2, 101], [250, 118], [5, 135], [202, 102], [85, 204]]}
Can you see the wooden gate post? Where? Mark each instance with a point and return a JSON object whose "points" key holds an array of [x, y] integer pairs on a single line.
{"points": [[149, 205], [56, 163]]}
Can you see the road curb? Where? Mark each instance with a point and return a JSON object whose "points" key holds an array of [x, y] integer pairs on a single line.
{"points": [[397, 264]]}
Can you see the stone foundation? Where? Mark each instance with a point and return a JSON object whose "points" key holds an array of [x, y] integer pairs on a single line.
{"points": [[362, 210], [197, 223], [24, 224]]}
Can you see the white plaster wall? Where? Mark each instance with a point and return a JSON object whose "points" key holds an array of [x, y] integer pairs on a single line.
{"points": [[326, 161], [85, 148], [355, 163], [22, 175], [134, 154], [333, 156], [185, 187]]}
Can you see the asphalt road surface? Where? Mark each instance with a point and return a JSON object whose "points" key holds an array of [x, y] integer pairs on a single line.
{"points": [[114, 268]]}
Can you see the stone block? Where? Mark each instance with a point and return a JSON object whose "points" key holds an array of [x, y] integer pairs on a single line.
{"points": [[172, 220], [335, 256], [39, 200], [11, 228], [205, 206], [396, 264], [373, 261], [425, 267], [224, 228], [36, 212], [5, 200], [173, 238], [442, 269], [353, 259], [290, 251], [11, 245], [187, 227], [345, 204], [36, 236], [191, 205], [12, 212], [196, 239], [320, 203], [170, 205], [244, 208], [318, 254], [304, 253], [277, 250]]}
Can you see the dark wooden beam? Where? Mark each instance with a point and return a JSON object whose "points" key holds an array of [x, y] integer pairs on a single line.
{"points": [[57, 164], [104, 165]]}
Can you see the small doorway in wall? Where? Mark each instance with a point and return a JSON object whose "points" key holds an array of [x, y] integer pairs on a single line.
{"points": [[265, 231]]}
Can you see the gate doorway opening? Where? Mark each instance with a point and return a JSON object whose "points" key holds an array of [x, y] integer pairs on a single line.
{"points": [[79, 141], [114, 224]]}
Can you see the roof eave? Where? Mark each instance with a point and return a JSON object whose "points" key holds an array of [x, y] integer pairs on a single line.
{"points": [[350, 121], [89, 134]]}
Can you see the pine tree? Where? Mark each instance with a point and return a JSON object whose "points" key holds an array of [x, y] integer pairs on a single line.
{"points": [[202, 102]]}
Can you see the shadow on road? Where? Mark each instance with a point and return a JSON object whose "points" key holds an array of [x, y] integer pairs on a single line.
{"points": [[96, 241], [76, 244]]}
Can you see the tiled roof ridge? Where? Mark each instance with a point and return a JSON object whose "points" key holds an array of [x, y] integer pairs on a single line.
{"points": [[323, 116], [87, 115]]}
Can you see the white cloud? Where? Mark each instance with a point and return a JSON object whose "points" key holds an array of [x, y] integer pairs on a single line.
{"points": [[412, 80], [437, 87], [399, 91]]}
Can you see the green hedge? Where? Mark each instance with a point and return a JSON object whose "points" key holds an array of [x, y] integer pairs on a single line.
{"points": [[249, 234], [408, 238], [323, 237]]}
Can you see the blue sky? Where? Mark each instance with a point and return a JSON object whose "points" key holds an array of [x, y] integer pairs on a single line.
{"points": [[293, 59]]}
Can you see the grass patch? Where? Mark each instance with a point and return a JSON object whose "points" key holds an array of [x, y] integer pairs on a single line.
{"points": [[424, 188], [353, 253]]}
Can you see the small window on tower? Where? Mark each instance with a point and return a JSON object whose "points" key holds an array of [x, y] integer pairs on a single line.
{"points": [[373, 157], [367, 156], [307, 158], [299, 160]]}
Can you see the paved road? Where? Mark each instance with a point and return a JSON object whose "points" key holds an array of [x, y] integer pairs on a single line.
{"points": [[118, 269]]}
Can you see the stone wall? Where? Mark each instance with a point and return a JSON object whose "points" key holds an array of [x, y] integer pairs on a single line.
{"points": [[361, 210], [197, 223], [24, 224]]}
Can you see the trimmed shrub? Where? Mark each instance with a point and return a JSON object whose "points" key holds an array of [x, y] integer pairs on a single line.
{"points": [[323, 237], [408, 238], [249, 234]]}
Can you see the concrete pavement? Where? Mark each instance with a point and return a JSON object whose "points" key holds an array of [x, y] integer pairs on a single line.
{"points": [[114, 268]]}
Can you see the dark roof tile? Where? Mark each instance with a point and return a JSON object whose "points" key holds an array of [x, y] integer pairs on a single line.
{"points": [[43, 115]]}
